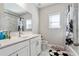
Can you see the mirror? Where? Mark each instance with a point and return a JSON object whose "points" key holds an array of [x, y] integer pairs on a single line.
{"points": [[15, 18], [27, 21]]}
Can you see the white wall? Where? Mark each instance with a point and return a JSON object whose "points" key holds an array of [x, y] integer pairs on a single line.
{"points": [[54, 36]]}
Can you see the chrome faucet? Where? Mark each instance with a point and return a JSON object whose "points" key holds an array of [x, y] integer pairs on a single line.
{"points": [[19, 33]]}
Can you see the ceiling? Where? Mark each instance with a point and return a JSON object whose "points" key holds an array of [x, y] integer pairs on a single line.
{"points": [[42, 5], [14, 8], [19, 8]]}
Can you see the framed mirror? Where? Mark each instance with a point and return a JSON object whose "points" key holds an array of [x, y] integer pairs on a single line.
{"points": [[15, 18]]}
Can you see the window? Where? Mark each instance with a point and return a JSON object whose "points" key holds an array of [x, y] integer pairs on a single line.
{"points": [[29, 24], [54, 21]]}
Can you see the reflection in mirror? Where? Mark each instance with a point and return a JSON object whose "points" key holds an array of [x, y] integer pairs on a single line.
{"points": [[8, 21], [27, 21], [15, 18]]}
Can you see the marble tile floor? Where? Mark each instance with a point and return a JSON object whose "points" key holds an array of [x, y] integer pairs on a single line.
{"points": [[45, 53]]}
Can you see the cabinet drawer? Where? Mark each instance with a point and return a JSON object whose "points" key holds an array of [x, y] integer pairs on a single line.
{"points": [[24, 51], [10, 49]]}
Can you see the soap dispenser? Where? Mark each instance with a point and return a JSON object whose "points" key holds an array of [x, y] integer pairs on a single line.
{"points": [[1, 35]]}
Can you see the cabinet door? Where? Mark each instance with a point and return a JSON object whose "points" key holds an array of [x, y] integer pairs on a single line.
{"points": [[24, 52], [38, 45], [35, 46]]}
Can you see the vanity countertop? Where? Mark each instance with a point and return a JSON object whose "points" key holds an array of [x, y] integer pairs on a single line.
{"points": [[16, 39]]}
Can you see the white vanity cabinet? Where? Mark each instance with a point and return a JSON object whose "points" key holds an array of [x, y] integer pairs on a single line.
{"points": [[22, 49], [15, 49], [27, 47], [35, 46]]}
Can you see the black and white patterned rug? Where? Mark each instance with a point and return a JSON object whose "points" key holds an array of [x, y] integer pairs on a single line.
{"points": [[57, 53]]}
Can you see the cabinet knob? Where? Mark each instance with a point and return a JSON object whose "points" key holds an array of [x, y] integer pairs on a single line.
{"points": [[16, 54]]}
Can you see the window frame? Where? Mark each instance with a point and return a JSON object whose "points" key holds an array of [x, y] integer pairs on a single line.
{"points": [[51, 14], [31, 24]]}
